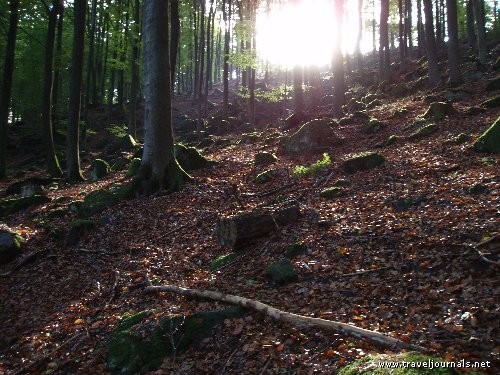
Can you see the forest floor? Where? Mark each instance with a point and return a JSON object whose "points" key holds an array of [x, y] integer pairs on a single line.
{"points": [[428, 284]]}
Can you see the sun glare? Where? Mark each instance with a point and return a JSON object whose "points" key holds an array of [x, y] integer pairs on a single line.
{"points": [[303, 32]]}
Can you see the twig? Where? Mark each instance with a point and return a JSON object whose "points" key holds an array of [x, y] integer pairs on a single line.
{"points": [[229, 358], [489, 261], [113, 289], [82, 250], [266, 365]]}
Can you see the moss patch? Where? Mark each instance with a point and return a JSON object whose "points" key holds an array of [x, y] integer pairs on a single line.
{"points": [[332, 192], [362, 161], [265, 176], [96, 202], [77, 229], [189, 158], [372, 126], [221, 261], [424, 131], [133, 168], [264, 158], [281, 272], [462, 138], [489, 141], [11, 205], [138, 345], [295, 249], [411, 364], [100, 168]]}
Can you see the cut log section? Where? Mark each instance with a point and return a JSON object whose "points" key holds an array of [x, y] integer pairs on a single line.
{"points": [[238, 230]]}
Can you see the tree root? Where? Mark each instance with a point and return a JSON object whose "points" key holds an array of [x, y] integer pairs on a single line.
{"points": [[376, 338]]}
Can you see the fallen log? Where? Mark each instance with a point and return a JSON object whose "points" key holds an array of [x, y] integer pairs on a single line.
{"points": [[376, 338], [238, 230]]}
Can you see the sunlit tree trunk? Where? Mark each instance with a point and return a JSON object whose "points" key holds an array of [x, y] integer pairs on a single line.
{"points": [[74, 172], [5, 94], [357, 49], [430, 43], [159, 169], [51, 160], [338, 60], [453, 46]]}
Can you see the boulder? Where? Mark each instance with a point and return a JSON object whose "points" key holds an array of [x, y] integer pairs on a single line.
{"points": [[265, 176], [10, 244], [294, 120], [462, 138], [133, 168], [491, 103], [100, 168], [439, 110], [281, 272], [189, 158], [250, 138], [388, 142], [11, 205], [424, 131], [33, 183], [332, 192], [489, 141], [77, 229], [372, 126], [362, 161], [97, 201], [313, 136], [265, 158], [122, 143]]}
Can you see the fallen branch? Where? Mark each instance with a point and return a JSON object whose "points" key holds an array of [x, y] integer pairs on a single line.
{"points": [[376, 338]]}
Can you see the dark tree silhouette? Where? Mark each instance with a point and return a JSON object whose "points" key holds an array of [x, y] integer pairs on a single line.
{"points": [[453, 47], [430, 44]]}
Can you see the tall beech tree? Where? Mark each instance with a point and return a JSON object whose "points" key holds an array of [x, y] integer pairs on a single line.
{"points": [[159, 168], [5, 94], [480, 27], [74, 172], [51, 160], [384, 51], [434, 76], [453, 46]]}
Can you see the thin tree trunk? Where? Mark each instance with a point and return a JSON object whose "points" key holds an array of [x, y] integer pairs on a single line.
{"points": [[481, 31], [338, 60], [227, 41], [90, 60], [57, 82], [48, 139], [430, 43], [201, 65], [409, 26], [74, 172], [359, 56], [453, 46], [384, 41], [420, 29], [298, 93], [174, 44], [5, 94], [471, 33], [121, 72], [134, 72]]}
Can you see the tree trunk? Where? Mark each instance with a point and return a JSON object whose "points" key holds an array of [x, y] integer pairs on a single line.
{"points": [[480, 26], [48, 139], [430, 43], [90, 60], [298, 93], [357, 49], [5, 94], [74, 172], [338, 60], [420, 29], [409, 26], [120, 89], [57, 81], [453, 46], [134, 73], [238, 230], [227, 41], [401, 37], [384, 51], [159, 168], [175, 37], [471, 33]]}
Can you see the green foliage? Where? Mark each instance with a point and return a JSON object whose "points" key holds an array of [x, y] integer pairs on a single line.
{"points": [[332, 192], [273, 95], [489, 141], [133, 168], [295, 249], [300, 171], [222, 261], [281, 272]]}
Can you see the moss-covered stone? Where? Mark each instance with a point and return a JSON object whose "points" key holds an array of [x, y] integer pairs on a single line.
{"points": [[424, 131], [12, 205], [281, 272], [56, 213], [250, 138], [118, 164], [489, 141], [96, 202], [491, 103], [189, 158], [372, 126], [133, 168], [388, 142], [77, 229], [462, 138], [362, 161], [313, 136], [100, 168], [10, 244], [221, 261], [493, 84], [139, 345], [264, 158], [332, 192], [297, 248], [265, 176], [341, 182], [399, 90], [439, 110], [122, 143], [473, 111], [477, 189], [374, 103], [411, 363]]}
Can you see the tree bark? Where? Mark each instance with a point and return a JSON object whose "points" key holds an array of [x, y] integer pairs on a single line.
{"points": [[376, 338], [74, 172], [298, 93], [359, 56], [5, 94], [453, 46], [227, 41], [338, 60], [384, 52], [430, 43], [481, 31], [57, 81], [134, 72], [47, 136], [471, 33], [159, 168], [420, 29], [174, 44]]}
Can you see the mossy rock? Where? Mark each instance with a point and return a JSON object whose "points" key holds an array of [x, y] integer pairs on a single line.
{"points": [[439, 110], [399, 111], [362, 161], [411, 363], [12, 205], [281, 272], [332, 192], [354, 105], [372, 126], [77, 229], [221, 261], [399, 89], [493, 84], [462, 138], [491, 103], [477, 189], [489, 141], [388, 142], [222, 142], [100, 168], [189, 158], [374, 103], [250, 138], [265, 176], [265, 158], [56, 213], [97, 201], [122, 143], [138, 346], [133, 168], [10, 244], [294, 120], [297, 248], [341, 182], [118, 164], [313, 136], [424, 131]]}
